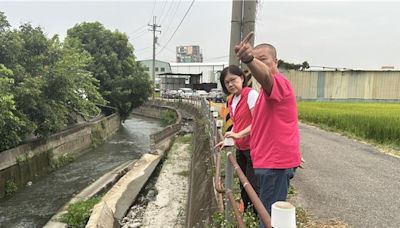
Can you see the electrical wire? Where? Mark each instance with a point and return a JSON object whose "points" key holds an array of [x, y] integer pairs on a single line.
{"points": [[177, 27]]}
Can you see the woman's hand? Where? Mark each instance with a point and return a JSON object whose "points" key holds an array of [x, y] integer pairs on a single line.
{"points": [[220, 145], [232, 135]]}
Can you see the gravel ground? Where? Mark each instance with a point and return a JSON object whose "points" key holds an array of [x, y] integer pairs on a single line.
{"points": [[163, 203]]}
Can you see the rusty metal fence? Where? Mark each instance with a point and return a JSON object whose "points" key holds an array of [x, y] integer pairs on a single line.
{"points": [[200, 108]]}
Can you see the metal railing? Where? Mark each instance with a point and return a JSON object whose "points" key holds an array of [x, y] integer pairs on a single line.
{"points": [[262, 212], [216, 137], [231, 164]]}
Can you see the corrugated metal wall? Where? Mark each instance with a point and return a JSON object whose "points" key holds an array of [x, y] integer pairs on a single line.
{"points": [[368, 85]]}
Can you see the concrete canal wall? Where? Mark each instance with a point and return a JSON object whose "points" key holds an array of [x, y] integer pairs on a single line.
{"points": [[29, 161]]}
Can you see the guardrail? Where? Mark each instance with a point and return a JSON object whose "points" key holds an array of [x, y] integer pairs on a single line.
{"points": [[220, 189]]}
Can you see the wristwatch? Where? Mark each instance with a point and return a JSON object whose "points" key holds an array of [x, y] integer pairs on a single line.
{"points": [[248, 61]]}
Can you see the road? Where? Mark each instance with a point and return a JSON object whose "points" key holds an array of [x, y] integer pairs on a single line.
{"points": [[347, 180]]}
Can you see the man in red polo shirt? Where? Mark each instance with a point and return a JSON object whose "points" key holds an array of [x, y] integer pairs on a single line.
{"points": [[274, 141]]}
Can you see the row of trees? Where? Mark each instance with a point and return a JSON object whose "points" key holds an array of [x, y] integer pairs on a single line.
{"points": [[44, 82], [292, 66]]}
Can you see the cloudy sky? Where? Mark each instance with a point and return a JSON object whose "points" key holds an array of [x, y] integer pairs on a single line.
{"points": [[356, 35]]}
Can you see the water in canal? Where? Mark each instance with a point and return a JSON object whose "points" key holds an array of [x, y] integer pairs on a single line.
{"points": [[35, 205]]}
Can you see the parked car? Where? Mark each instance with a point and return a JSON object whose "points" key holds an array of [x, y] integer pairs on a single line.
{"points": [[216, 95], [220, 98], [185, 92], [171, 94], [200, 93]]}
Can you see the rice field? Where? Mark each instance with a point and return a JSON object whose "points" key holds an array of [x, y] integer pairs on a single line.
{"points": [[376, 122]]}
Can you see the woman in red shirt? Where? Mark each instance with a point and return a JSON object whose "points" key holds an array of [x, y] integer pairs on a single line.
{"points": [[240, 105]]}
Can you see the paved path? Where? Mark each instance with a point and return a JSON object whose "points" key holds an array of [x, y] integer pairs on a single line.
{"points": [[347, 180]]}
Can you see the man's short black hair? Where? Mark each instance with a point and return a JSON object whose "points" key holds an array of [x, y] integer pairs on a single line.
{"points": [[270, 47]]}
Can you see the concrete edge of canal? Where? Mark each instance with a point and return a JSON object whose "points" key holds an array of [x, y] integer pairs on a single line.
{"points": [[127, 180]]}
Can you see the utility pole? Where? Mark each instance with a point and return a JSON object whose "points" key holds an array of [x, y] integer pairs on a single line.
{"points": [[154, 27], [248, 25], [248, 21], [236, 27]]}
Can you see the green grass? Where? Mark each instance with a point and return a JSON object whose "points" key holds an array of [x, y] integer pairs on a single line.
{"points": [[185, 139], [168, 117], [78, 213], [375, 122]]}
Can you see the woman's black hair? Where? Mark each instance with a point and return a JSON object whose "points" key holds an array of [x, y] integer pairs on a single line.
{"points": [[233, 69]]}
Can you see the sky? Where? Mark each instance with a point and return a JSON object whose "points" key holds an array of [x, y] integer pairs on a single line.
{"points": [[340, 34]]}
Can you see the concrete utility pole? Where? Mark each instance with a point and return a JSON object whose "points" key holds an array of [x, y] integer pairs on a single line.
{"points": [[236, 27], [242, 22], [248, 21], [154, 27]]}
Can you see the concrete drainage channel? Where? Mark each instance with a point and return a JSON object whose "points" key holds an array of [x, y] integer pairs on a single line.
{"points": [[114, 205], [126, 182]]}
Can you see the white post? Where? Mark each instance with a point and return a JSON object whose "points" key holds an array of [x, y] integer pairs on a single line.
{"points": [[283, 215]]}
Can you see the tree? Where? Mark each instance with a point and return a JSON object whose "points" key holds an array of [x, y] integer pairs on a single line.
{"points": [[130, 92], [3, 22], [291, 66], [65, 88], [49, 81], [122, 81], [72, 84], [305, 65], [12, 123]]}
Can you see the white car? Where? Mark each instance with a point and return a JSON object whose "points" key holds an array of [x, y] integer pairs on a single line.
{"points": [[200, 93], [185, 92]]}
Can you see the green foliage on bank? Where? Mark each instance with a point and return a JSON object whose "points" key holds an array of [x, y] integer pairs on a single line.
{"points": [[61, 161], [79, 213], [11, 188], [46, 83], [218, 220], [377, 122], [123, 81], [168, 117]]}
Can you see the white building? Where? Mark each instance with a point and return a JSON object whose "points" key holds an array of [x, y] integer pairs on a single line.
{"points": [[160, 68], [211, 71]]}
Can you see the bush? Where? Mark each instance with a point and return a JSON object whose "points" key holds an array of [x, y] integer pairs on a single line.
{"points": [[78, 213], [11, 188], [168, 117]]}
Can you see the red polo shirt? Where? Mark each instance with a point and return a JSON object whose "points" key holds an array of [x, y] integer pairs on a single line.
{"points": [[274, 140]]}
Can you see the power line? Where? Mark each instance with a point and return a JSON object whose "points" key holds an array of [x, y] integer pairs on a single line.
{"points": [[138, 29], [163, 17], [152, 11], [139, 34], [219, 57], [142, 49], [175, 10], [177, 27], [162, 11]]}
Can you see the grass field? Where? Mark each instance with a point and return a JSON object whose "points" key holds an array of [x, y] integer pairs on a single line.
{"points": [[376, 122]]}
